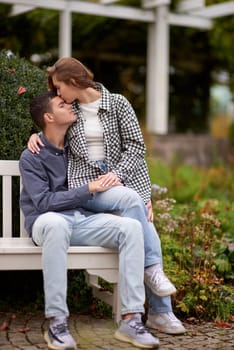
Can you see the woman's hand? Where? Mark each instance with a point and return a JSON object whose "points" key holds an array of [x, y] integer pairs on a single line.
{"points": [[98, 186], [110, 179], [150, 215], [34, 142]]}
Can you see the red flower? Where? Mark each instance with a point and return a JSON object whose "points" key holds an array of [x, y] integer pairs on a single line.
{"points": [[21, 90]]}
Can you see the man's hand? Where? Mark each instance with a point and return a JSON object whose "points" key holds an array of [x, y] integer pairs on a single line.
{"points": [[34, 142], [110, 179], [150, 215]]}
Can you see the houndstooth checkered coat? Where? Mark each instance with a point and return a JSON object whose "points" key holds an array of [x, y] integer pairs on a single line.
{"points": [[123, 145]]}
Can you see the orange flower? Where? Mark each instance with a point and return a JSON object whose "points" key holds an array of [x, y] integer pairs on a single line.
{"points": [[21, 90]]}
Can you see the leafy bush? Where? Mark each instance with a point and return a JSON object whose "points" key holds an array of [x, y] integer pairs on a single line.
{"points": [[198, 250], [196, 230], [19, 82]]}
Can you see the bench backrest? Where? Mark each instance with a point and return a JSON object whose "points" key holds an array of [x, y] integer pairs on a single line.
{"points": [[9, 169]]}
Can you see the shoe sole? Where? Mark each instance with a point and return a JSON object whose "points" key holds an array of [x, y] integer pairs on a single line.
{"points": [[53, 347], [126, 339], [152, 325]]}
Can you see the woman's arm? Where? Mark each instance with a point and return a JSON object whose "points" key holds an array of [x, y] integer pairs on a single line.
{"points": [[132, 148], [35, 143]]}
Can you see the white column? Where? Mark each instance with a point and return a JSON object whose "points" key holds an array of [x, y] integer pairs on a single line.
{"points": [[157, 73], [65, 33]]}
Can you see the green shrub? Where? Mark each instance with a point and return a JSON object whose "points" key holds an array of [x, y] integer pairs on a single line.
{"points": [[198, 254], [19, 82]]}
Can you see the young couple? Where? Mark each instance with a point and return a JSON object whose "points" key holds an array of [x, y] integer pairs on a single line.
{"points": [[96, 148]]}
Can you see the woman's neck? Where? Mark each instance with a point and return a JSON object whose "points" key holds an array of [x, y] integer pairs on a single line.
{"points": [[88, 95]]}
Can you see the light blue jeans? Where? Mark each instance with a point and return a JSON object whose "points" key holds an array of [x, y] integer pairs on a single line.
{"points": [[130, 204], [55, 232]]}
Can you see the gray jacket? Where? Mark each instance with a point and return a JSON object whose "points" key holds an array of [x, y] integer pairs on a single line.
{"points": [[44, 178]]}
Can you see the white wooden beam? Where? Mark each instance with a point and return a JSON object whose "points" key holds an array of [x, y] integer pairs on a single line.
{"points": [[65, 33], [112, 11], [188, 5], [107, 2], [121, 12], [19, 9], [157, 73], [154, 3], [190, 21], [48, 4], [215, 11]]}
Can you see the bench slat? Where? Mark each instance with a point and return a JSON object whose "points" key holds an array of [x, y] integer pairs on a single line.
{"points": [[7, 205], [23, 232], [9, 167]]}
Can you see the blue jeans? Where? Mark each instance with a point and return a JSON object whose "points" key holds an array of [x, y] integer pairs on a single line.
{"points": [[55, 232], [129, 204]]}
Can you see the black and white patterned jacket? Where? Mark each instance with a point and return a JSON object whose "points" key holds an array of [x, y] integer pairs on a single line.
{"points": [[123, 145]]}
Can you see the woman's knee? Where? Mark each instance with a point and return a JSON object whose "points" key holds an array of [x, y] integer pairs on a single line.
{"points": [[132, 228]]}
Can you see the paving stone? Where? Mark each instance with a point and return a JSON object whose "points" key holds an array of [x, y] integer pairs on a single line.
{"points": [[96, 334]]}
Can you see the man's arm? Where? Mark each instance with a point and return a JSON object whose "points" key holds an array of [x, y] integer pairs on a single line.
{"points": [[53, 197]]}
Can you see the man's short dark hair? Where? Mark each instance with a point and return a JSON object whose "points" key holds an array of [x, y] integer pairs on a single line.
{"points": [[40, 105]]}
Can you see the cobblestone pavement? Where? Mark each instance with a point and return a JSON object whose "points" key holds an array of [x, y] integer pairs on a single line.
{"points": [[25, 332]]}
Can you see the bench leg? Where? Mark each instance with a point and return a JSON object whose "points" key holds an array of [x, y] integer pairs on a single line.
{"points": [[111, 299], [117, 303]]}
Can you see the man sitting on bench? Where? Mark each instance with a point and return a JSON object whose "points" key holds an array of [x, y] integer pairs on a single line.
{"points": [[55, 220]]}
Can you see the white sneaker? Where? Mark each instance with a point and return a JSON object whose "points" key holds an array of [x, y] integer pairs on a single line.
{"points": [[58, 336], [165, 322], [158, 282], [134, 332]]}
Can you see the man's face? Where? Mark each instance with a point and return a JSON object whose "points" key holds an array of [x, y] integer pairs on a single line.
{"points": [[62, 112]]}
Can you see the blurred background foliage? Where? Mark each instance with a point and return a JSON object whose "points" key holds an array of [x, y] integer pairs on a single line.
{"points": [[116, 51]]}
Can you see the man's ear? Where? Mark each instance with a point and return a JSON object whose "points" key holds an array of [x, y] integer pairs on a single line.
{"points": [[48, 117]]}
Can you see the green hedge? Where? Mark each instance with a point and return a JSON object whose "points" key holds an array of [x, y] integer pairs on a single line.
{"points": [[19, 82]]}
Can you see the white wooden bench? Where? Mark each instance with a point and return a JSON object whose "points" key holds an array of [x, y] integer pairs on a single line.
{"points": [[19, 253]]}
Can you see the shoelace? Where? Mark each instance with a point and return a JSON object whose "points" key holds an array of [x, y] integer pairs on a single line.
{"points": [[60, 328], [57, 330], [172, 317], [139, 327]]}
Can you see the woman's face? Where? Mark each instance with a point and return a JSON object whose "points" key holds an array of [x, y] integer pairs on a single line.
{"points": [[68, 92]]}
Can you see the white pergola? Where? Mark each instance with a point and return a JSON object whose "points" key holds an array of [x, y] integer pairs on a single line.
{"points": [[156, 14]]}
